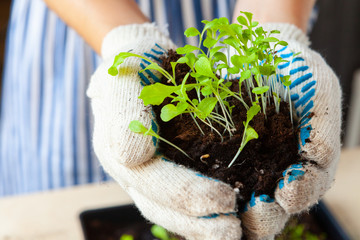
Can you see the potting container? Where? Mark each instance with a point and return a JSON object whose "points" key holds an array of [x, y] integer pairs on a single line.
{"points": [[118, 220]]}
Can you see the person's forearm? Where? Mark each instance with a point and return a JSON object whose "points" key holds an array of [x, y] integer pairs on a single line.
{"points": [[296, 12], [93, 19]]}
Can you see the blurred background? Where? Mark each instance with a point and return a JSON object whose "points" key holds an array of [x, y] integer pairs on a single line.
{"points": [[4, 17], [335, 35]]}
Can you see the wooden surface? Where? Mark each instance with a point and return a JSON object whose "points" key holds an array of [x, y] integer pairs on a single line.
{"points": [[54, 215], [343, 199]]}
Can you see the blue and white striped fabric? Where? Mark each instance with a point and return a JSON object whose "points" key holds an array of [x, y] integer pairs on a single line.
{"points": [[45, 124]]}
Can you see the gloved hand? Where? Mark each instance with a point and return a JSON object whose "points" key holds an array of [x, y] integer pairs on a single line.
{"points": [[179, 199], [316, 95], [182, 200]]}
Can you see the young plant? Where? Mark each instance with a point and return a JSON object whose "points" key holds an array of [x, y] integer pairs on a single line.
{"points": [[126, 237], [298, 231], [253, 62], [161, 233], [249, 132], [157, 231], [137, 127]]}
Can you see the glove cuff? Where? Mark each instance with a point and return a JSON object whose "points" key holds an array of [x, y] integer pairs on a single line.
{"points": [[288, 32], [129, 34]]}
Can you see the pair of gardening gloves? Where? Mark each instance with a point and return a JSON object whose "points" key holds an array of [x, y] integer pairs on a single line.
{"points": [[182, 200]]}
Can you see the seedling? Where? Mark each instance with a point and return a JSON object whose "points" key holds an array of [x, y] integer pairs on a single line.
{"points": [[126, 237], [249, 132], [253, 62], [161, 233], [298, 231], [138, 127]]}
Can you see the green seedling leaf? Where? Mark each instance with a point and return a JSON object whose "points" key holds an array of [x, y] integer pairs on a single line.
{"points": [[173, 66], [215, 50], [241, 61], [274, 32], [282, 43], [219, 56], [227, 30], [183, 87], [278, 60], [183, 60], [119, 59], [228, 84], [246, 36], [209, 42], [170, 111], [242, 20], [251, 113], [286, 80], [259, 31], [252, 58], [296, 54], [237, 29], [223, 21], [270, 39], [203, 67], [159, 232], [221, 66], [254, 24], [255, 70], [245, 75], [206, 90], [155, 94], [221, 35], [267, 70], [205, 21], [153, 66], [126, 237], [232, 42], [260, 90], [191, 59], [250, 134], [224, 95], [248, 15], [137, 127], [238, 61], [234, 70], [206, 106], [269, 58], [113, 71], [195, 101], [191, 32], [186, 49], [227, 104]]}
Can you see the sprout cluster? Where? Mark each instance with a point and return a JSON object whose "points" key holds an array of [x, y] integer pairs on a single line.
{"points": [[242, 50]]}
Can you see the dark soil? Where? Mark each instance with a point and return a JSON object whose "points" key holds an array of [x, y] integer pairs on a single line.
{"points": [[261, 163]]}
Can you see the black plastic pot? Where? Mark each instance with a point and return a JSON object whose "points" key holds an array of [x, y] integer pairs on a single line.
{"points": [[127, 216], [328, 223], [112, 222]]}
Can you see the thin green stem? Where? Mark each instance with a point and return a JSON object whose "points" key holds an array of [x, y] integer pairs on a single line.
{"points": [[173, 145]]}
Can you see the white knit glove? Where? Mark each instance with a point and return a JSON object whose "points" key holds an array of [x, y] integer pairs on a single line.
{"points": [[316, 95], [170, 195], [182, 200]]}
